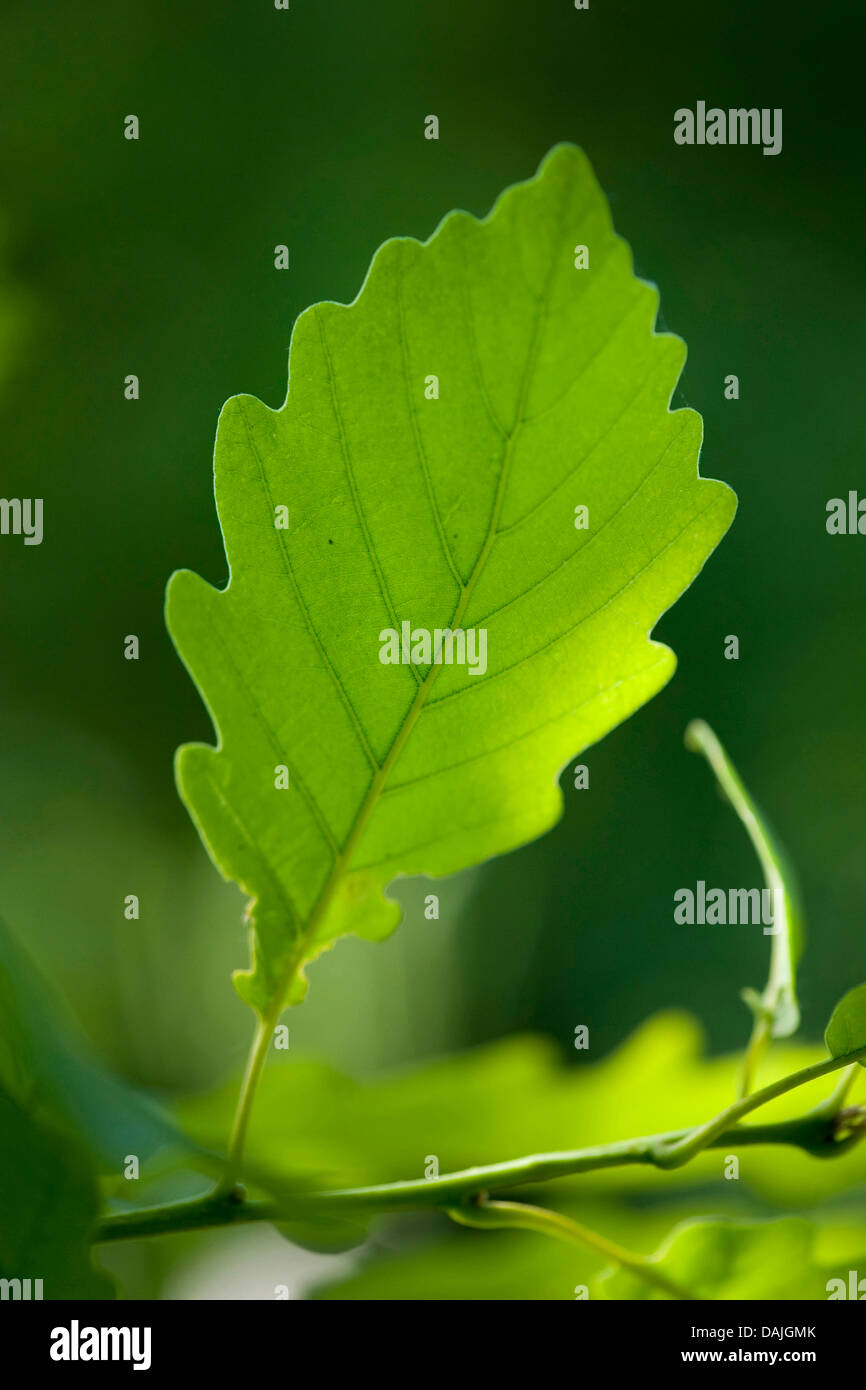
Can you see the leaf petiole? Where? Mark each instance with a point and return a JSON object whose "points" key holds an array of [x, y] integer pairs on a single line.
{"points": [[246, 1097]]}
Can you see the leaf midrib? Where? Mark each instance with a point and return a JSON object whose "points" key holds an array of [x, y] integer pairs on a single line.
{"points": [[323, 902]]}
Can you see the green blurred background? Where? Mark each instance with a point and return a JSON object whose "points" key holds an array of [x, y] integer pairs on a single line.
{"points": [[155, 257]]}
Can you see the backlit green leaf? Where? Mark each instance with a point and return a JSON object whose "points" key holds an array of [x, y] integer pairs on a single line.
{"points": [[846, 1031], [448, 512]]}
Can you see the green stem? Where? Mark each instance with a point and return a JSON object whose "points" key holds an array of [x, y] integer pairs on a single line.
{"points": [[814, 1133], [255, 1064], [522, 1216], [237, 1138], [217, 1208]]}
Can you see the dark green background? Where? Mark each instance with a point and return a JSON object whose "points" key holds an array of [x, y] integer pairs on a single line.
{"points": [[260, 127]]}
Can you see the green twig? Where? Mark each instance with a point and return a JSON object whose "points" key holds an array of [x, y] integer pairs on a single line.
{"points": [[815, 1133]]}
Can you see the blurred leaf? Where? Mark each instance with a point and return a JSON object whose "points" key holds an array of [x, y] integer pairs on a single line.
{"points": [[447, 513], [442, 1263], [468, 1265], [846, 1031], [725, 1259], [46, 1068], [779, 999], [17, 312], [49, 1201], [325, 1234]]}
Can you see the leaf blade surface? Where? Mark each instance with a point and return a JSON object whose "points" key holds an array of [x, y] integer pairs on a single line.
{"points": [[448, 513]]}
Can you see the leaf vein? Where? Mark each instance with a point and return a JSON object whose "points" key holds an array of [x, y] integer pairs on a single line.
{"points": [[302, 603], [353, 485], [506, 670]]}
